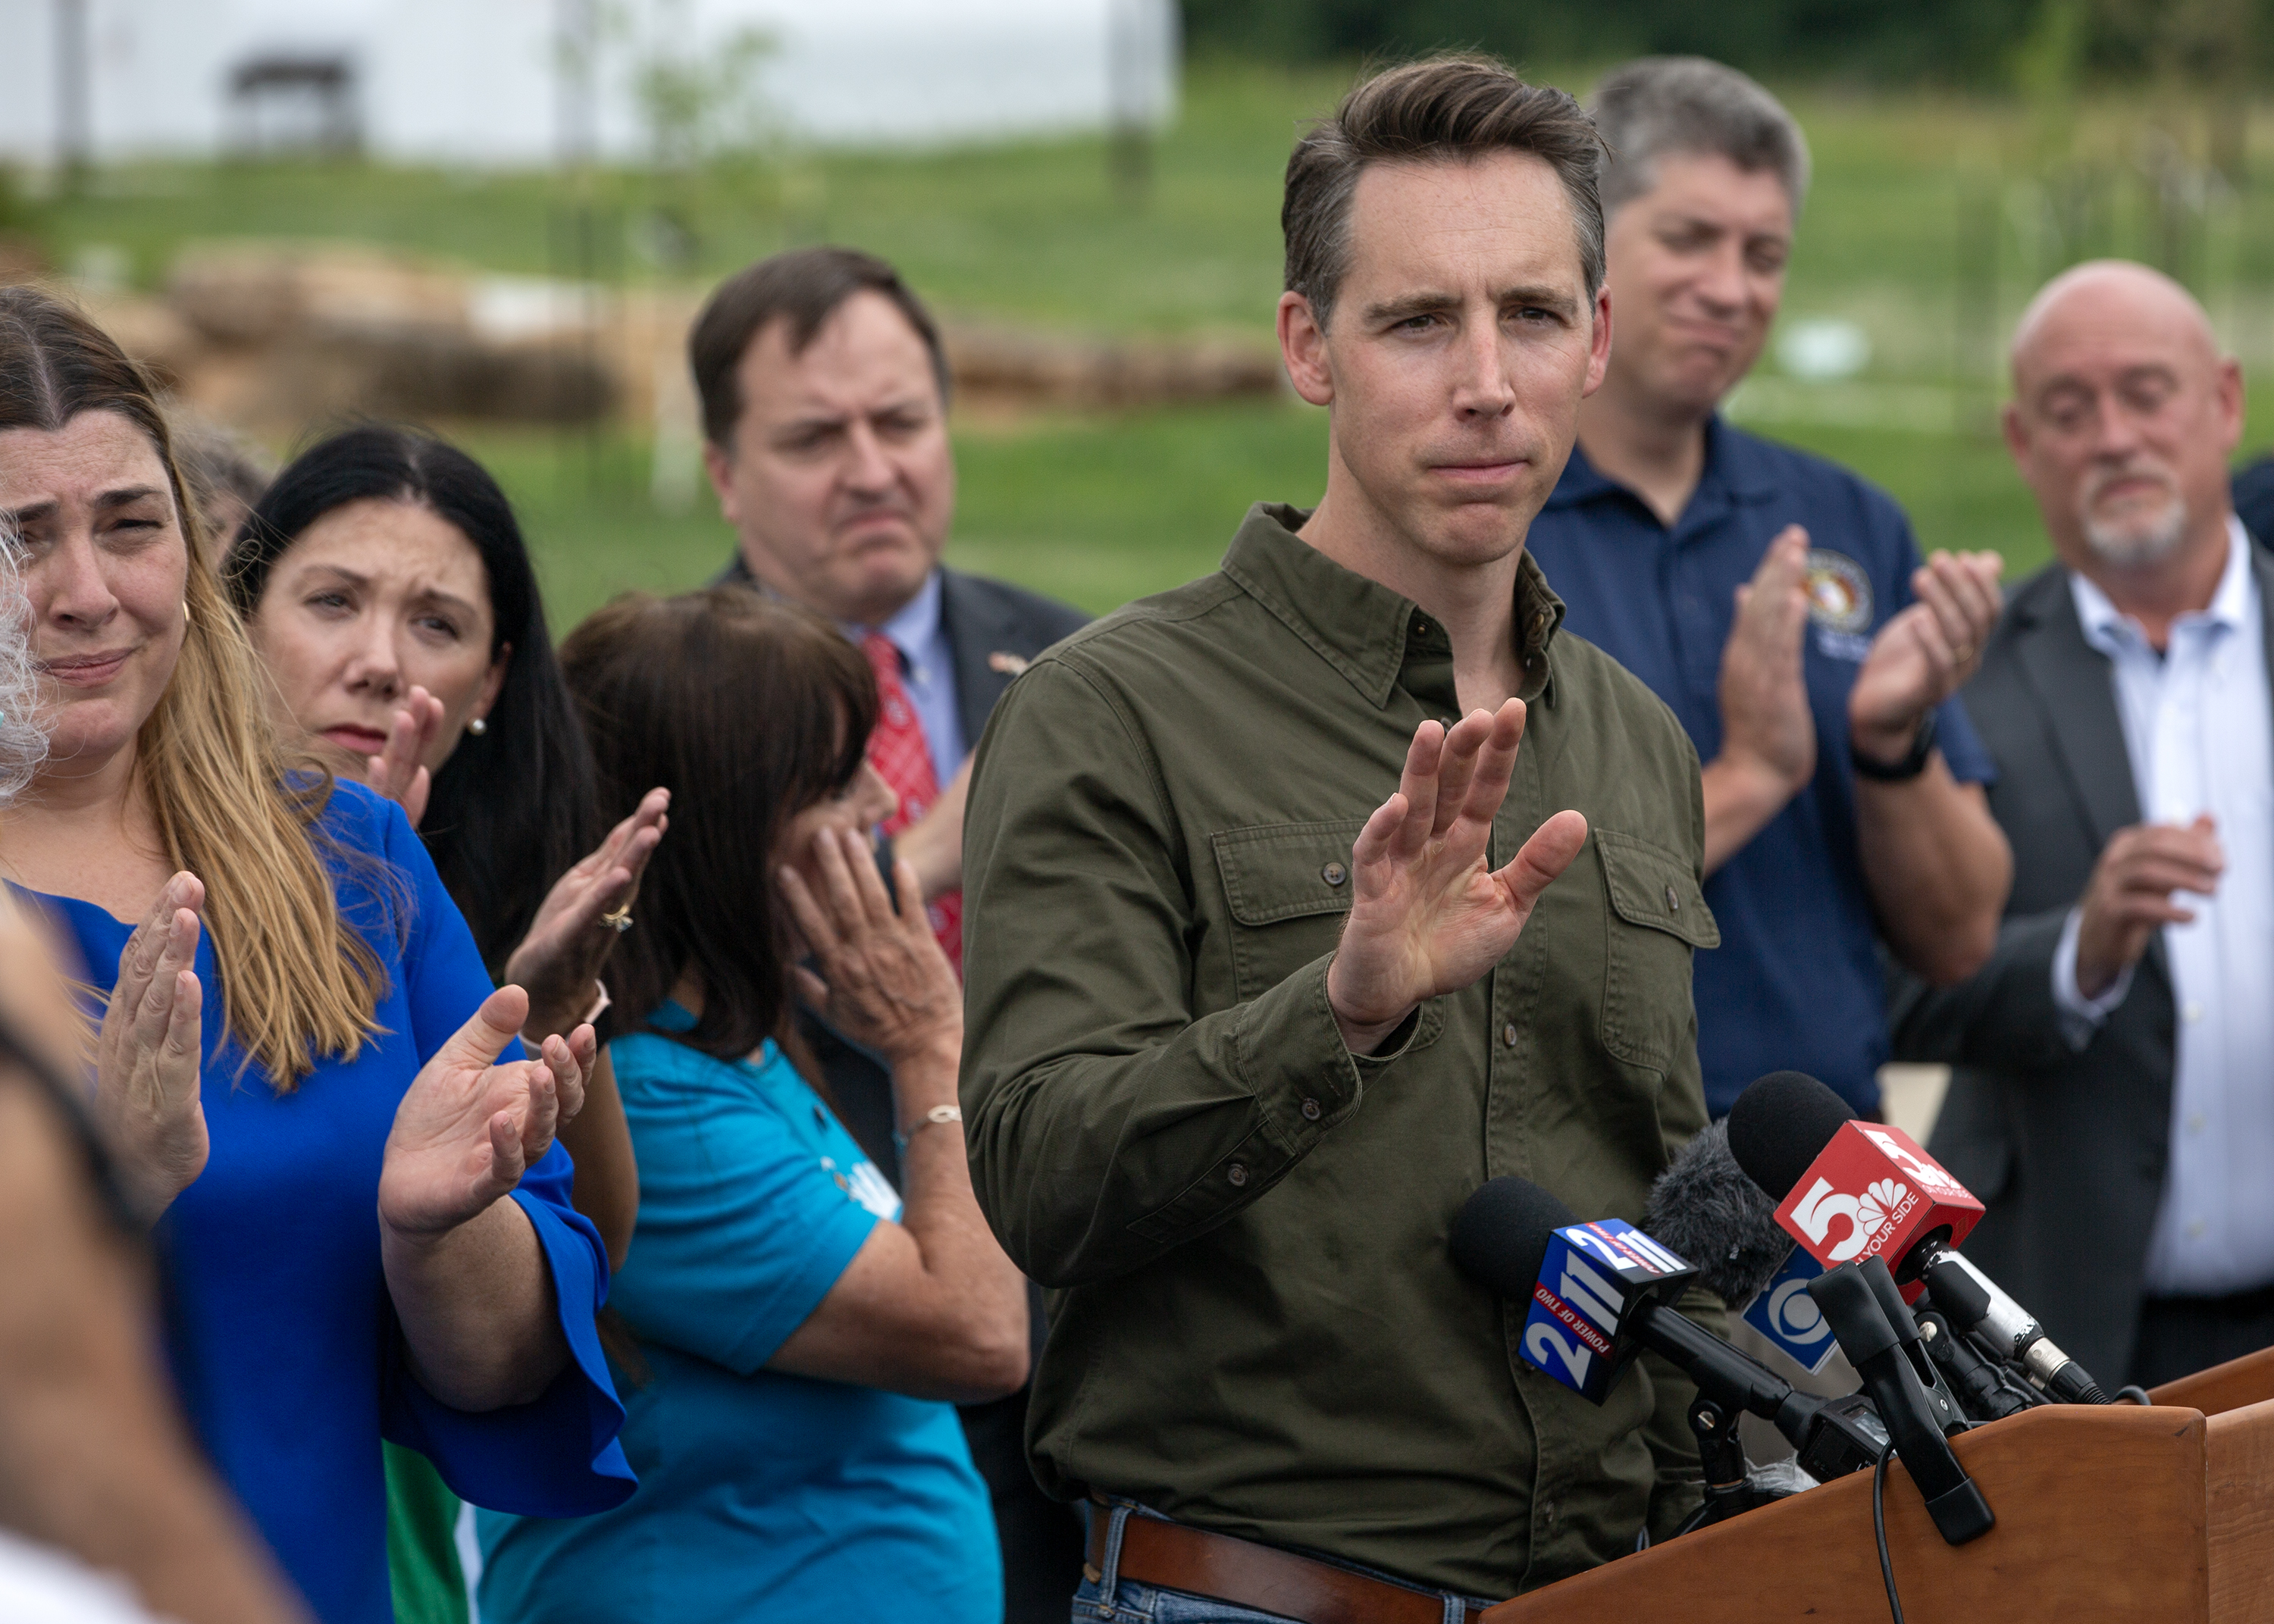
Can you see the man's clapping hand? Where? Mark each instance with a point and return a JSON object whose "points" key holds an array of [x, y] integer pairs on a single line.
{"points": [[1767, 729], [2129, 896], [1926, 653], [1427, 916]]}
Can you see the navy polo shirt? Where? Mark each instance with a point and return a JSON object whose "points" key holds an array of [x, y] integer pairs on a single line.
{"points": [[1797, 981]]}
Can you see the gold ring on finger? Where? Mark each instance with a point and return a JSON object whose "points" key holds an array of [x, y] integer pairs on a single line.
{"points": [[618, 920]]}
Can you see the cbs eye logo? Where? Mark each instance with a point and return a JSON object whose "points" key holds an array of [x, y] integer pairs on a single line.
{"points": [[1793, 1314]]}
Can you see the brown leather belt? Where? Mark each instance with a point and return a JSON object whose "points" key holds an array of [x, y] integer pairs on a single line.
{"points": [[1247, 1575]]}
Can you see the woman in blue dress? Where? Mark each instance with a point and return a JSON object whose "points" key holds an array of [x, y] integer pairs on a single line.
{"points": [[363, 1222], [800, 1336], [384, 583]]}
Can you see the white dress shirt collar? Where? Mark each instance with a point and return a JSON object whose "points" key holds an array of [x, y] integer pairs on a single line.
{"points": [[2105, 624]]}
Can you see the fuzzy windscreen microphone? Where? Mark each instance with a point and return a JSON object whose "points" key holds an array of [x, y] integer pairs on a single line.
{"points": [[1706, 1208]]}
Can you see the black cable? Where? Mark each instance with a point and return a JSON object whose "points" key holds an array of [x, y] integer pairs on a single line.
{"points": [[2133, 1395], [1880, 1527]]}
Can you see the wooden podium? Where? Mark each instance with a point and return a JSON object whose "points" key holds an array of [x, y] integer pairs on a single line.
{"points": [[2161, 1513]]}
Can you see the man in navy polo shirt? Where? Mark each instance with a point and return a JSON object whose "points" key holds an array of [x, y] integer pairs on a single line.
{"points": [[1777, 603]]}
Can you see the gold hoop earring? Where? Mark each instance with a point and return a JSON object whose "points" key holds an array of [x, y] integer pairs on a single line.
{"points": [[187, 618]]}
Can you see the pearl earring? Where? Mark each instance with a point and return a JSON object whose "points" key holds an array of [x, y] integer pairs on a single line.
{"points": [[477, 727]]}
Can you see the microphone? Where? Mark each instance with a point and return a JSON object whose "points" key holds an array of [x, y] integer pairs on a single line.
{"points": [[1848, 1190], [1875, 1347], [1704, 1208], [1970, 1298], [1599, 1293]]}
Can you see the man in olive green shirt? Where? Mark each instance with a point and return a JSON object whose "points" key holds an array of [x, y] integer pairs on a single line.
{"points": [[1241, 1035]]}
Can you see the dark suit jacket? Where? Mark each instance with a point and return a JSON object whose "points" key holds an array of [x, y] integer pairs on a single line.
{"points": [[2067, 1149], [994, 628]]}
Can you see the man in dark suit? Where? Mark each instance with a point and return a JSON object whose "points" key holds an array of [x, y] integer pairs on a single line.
{"points": [[2113, 1101], [823, 388]]}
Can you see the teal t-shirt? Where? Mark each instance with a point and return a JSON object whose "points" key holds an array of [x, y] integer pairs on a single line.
{"points": [[761, 1495]]}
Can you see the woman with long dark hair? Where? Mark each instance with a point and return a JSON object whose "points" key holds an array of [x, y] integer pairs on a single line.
{"points": [[385, 586]]}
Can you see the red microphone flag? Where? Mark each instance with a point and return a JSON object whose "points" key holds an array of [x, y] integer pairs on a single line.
{"points": [[1874, 1193]]}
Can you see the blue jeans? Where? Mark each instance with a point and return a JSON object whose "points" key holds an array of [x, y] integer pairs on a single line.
{"points": [[1112, 1599]]}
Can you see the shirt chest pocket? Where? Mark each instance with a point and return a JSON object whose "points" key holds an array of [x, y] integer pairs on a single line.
{"points": [[1658, 916], [1287, 887]]}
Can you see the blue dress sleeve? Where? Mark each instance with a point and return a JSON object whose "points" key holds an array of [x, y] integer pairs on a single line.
{"points": [[556, 1455], [744, 1228]]}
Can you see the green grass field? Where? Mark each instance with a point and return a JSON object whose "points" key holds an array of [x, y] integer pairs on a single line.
{"points": [[1924, 227]]}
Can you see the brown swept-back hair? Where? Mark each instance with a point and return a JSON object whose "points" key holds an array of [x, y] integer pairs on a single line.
{"points": [[803, 287], [1443, 109], [298, 981], [748, 711]]}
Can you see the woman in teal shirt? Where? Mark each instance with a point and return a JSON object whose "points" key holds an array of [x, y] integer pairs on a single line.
{"points": [[800, 1338]]}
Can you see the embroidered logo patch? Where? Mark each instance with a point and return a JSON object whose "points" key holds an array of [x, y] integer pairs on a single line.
{"points": [[1839, 592]]}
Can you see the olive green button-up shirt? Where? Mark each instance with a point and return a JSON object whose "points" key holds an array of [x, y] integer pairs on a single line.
{"points": [[1255, 1325]]}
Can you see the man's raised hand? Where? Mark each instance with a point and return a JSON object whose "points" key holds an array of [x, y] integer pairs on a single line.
{"points": [[1427, 916]]}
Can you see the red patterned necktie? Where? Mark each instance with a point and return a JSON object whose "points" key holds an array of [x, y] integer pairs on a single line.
{"points": [[897, 751]]}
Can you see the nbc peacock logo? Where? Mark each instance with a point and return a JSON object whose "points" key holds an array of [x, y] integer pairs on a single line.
{"points": [[1884, 1201]]}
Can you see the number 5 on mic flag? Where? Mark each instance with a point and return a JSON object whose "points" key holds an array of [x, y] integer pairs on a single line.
{"points": [[1788, 1316]]}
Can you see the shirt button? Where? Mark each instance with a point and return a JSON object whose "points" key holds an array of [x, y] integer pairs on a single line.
{"points": [[1310, 1110], [2195, 1122], [1333, 874], [1421, 626], [1238, 1173], [2194, 1011], [2196, 1230], [1508, 1034], [1673, 902]]}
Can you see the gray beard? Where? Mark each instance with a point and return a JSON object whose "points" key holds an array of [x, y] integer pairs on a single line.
{"points": [[2134, 547]]}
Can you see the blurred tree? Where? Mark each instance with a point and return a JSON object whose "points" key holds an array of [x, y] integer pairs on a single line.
{"points": [[1958, 41]]}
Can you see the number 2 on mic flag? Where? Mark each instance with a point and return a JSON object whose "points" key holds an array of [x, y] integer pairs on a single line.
{"points": [[1594, 1277], [1788, 1316]]}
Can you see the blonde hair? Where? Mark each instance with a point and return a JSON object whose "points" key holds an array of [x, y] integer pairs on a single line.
{"points": [[298, 981]]}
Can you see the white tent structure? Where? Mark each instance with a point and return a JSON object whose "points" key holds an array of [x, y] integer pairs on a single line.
{"points": [[513, 83]]}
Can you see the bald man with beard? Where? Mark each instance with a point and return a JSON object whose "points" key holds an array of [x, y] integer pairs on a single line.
{"points": [[2113, 1097]]}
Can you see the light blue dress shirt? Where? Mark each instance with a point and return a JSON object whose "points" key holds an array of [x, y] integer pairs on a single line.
{"points": [[2199, 725], [927, 672]]}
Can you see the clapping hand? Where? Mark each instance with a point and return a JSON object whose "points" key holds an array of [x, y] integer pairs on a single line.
{"points": [[1925, 654], [2134, 892], [146, 1087], [1427, 916], [468, 1130], [399, 771], [1766, 726], [884, 982], [568, 940]]}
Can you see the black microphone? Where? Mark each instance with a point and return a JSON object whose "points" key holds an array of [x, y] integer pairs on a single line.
{"points": [[1779, 1127], [1984, 1388], [1506, 1239], [1947, 1415], [1853, 1308], [1704, 1208]]}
